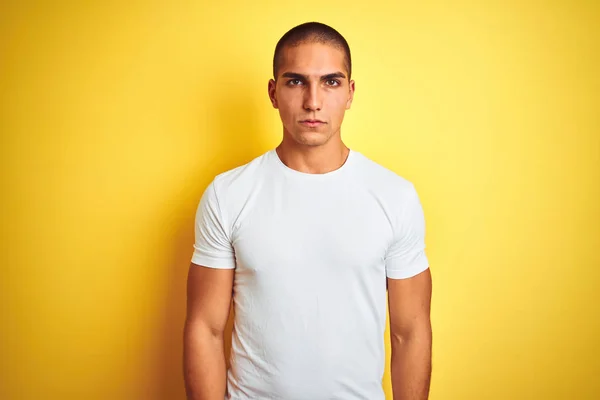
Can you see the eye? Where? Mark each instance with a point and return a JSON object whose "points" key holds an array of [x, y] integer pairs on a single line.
{"points": [[332, 82], [294, 82]]}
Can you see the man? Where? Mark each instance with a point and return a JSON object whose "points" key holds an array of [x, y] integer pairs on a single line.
{"points": [[305, 239]]}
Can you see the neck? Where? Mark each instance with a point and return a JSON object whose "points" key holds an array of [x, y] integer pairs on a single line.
{"points": [[313, 159]]}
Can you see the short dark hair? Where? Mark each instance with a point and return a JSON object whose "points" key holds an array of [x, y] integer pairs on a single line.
{"points": [[312, 32]]}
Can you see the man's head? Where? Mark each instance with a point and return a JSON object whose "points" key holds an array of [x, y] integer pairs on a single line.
{"points": [[312, 32], [311, 82]]}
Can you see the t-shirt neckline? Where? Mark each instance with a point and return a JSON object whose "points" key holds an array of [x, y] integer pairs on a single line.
{"points": [[306, 175]]}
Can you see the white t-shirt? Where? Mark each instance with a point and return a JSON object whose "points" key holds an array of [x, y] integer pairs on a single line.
{"points": [[311, 254]]}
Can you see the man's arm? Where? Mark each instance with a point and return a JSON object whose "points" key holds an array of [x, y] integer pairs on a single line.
{"points": [[410, 333], [209, 292]]}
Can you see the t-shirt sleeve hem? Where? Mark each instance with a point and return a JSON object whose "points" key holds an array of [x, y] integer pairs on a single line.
{"points": [[408, 272], [211, 262]]}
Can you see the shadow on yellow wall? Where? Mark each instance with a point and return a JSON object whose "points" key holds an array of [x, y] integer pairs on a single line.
{"points": [[237, 134]]}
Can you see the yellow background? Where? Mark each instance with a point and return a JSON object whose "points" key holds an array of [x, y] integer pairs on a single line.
{"points": [[115, 116]]}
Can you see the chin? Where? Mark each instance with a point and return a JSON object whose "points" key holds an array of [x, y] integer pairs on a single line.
{"points": [[312, 138]]}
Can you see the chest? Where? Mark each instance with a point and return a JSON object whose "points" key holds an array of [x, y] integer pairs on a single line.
{"points": [[283, 233]]}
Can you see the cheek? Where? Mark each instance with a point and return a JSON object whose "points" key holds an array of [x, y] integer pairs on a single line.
{"points": [[285, 111], [338, 105], [287, 106], [286, 115]]}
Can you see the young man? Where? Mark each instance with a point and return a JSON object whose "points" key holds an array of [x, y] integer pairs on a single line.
{"points": [[306, 239]]}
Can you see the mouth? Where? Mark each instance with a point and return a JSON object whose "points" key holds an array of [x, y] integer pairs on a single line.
{"points": [[311, 123]]}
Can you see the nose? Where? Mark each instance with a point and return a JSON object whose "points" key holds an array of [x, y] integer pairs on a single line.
{"points": [[312, 97]]}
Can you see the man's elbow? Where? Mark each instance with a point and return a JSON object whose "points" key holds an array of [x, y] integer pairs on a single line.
{"points": [[198, 329], [418, 333]]}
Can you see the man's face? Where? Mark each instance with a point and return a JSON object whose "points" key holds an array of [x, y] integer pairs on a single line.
{"points": [[312, 92]]}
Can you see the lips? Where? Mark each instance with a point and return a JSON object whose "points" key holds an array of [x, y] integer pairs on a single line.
{"points": [[312, 122]]}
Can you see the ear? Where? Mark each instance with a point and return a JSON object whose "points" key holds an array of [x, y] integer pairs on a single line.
{"points": [[351, 95], [272, 93]]}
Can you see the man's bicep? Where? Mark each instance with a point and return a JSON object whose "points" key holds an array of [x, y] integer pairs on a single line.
{"points": [[209, 293], [409, 304]]}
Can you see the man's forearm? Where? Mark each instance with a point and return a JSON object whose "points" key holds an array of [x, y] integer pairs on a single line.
{"points": [[411, 366], [205, 369]]}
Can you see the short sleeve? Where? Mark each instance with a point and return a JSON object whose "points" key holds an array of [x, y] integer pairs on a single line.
{"points": [[406, 255], [212, 247]]}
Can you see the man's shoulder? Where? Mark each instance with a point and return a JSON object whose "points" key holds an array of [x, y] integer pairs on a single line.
{"points": [[394, 192], [380, 177], [241, 175]]}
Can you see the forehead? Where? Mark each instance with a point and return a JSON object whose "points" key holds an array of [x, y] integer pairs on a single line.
{"points": [[312, 59]]}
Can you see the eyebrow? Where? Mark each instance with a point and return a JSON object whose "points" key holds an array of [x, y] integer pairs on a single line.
{"points": [[295, 75]]}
